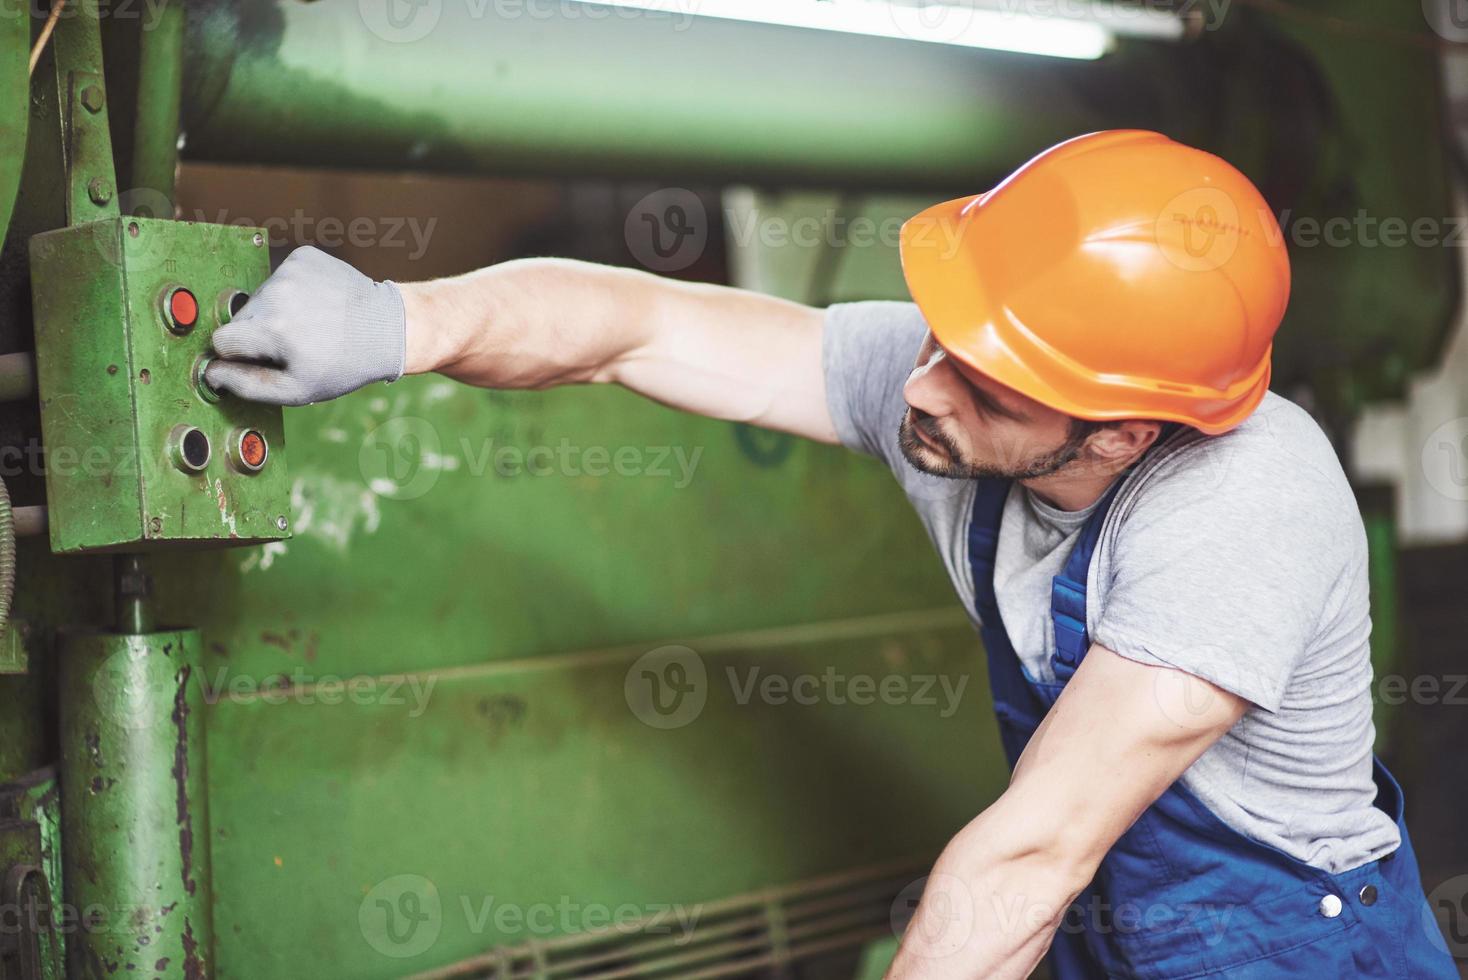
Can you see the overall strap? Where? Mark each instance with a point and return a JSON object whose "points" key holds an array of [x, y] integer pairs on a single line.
{"points": [[1068, 592], [983, 545]]}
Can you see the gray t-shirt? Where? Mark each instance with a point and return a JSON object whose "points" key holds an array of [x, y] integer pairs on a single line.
{"points": [[1239, 558]]}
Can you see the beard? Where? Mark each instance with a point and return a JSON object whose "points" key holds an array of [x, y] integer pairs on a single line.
{"points": [[947, 459]]}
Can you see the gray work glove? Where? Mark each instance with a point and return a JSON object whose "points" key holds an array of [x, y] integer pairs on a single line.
{"points": [[315, 330]]}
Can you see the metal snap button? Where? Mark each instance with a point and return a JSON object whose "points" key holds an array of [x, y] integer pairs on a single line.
{"points": [[1330, 906], [1368, 895]]}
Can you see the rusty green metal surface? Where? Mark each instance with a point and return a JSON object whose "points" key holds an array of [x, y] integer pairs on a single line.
{"points": [[35, 920], [118, 388], [14, 109], [134, 810], [91, 177], [434, 817], [15, 647]]}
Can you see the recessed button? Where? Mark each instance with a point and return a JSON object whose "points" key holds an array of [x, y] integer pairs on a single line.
{"points": [[1330, 906], [248, 450], [1368, 895], [182, 309], [190, 448]]}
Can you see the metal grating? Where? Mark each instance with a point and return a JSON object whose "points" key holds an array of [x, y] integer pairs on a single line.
{"points": [[747, 935]]}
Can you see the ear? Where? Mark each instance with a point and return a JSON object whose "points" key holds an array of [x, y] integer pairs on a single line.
{"points": [[1120, 440]]}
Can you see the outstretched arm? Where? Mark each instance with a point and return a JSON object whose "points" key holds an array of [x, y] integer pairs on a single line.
{"points": [[319, 329]]}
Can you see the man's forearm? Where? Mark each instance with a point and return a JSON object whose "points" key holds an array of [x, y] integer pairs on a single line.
{"points": [[530, 323], [994, 899], [712, 350]]}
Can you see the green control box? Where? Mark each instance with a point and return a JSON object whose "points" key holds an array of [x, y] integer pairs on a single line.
{"points": [[139, 453]]}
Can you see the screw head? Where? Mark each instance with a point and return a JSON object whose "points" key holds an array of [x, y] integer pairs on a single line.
{"points": [[281, 522], [259, 239], [92, 98], [99, 190]]}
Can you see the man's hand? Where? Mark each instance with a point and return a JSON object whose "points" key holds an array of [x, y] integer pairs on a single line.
{"points": [[1119, 735], [316, 329]]}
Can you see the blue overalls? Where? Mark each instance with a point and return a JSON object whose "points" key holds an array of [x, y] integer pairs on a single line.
{"points": [[1181, 894]]}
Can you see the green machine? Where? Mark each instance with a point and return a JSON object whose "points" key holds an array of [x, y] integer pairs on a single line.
{"points": [[440, 716]]}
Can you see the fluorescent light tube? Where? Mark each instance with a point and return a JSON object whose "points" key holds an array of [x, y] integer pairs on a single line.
{"points": [[1075, 30]]}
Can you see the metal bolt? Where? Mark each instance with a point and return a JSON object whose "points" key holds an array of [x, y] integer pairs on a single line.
{"points": [[281, 522], [93, 99], [99, 190], [259, 240]]}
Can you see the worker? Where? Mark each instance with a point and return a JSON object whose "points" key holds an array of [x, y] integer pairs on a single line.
{"points": [[1164, 559]]}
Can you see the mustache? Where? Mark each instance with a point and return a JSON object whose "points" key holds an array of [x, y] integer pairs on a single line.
{"points": [[932, 427]]}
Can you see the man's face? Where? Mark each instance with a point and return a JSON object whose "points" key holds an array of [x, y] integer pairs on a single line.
{"points": [[963, 425]]}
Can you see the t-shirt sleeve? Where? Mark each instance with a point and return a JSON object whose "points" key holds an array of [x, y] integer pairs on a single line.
{"points": [[1225, 579], [867, 352]]}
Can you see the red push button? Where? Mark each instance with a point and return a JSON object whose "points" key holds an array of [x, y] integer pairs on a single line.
{"points": [[183, 310], [252, 449], [248, 450]]}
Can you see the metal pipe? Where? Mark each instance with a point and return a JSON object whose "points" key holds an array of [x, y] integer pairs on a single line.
{"points": [[30, 521], [554, 88], [17, 376], [134, 604], [160, 89], [134, 810]]}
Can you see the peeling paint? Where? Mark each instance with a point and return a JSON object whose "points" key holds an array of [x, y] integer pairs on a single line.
{"points": [[333, 511], [221, 500], [264, 556]]}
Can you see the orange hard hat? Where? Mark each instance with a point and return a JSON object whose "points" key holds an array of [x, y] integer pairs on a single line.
{"points": [[1116, 275]]}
